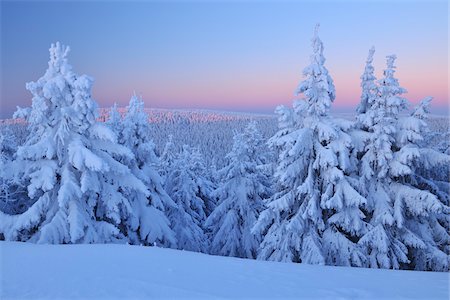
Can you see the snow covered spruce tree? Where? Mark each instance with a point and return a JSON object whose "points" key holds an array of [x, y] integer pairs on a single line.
{"points": [[167, 157], [115, 121], [240, 198], [188, 216], [76, 184], [402, 217], [262, 154], [369, 91], [203, 181], [432, 171], [314, 216], [149, 224], [428, 171]]}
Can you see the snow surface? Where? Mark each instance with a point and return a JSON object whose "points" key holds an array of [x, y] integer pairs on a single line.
{"points": [[121, 271]]}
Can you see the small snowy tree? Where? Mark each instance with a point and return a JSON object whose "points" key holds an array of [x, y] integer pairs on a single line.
{"points": [[115, 120], [241, 197], [188, 216], [13, 195], [203, 180], [167, 157], [262, 154], [68, 164], [149, 223], [314, 217]]}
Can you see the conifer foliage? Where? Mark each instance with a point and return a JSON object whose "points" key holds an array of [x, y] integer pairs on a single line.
{"points": [[315, 212], [149, 223], [241, 198], [367, 193], [13, 195], [76, 184], [188, 215], [399, 211], [368, 85]]}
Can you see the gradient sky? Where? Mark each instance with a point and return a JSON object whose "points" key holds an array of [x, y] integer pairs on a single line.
{"points": [[240, 55]]}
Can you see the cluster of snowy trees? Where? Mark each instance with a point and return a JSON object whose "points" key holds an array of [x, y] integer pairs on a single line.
{"points": [[211, 132], [365, 193]]}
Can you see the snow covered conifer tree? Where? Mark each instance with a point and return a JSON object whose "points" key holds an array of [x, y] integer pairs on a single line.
{"points": [[241, 197], [399, 212], [432, 170], [167, 157], [68, 164], [13, 195], [429, 224], [365, 114], [149, 220], [7, 143], [115, 120], [367, 84], [255, 143], [262, 154], [314, 216], [188, 216], [317, 87], [203, 180]]}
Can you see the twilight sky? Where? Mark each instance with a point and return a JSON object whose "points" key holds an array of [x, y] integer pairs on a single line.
{"points": [[239, 55]]}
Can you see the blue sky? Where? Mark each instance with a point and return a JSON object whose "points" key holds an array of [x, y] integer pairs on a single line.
{"points": [[240, 55]]}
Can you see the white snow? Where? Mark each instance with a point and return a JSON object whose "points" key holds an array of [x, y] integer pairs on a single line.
{"points": [[109, 271]]}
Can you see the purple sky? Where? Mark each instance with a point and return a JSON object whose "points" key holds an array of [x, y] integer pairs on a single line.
{"points": [[240, 55]]}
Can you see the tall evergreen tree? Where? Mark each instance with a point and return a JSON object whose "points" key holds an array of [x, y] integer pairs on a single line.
{"points": [[314, 217], [68, 164]]}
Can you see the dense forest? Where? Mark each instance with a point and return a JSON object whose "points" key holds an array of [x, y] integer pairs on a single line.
{"points": [[369, 191]]}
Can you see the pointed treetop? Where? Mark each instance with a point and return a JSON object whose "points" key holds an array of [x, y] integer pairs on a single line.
{"points": [[316, 30], [371, 53], [367, 84], [390, 61], [389, 78], [114, 109], [317, 44], [114, 115], [58, 56], [317, 87], [368, 70], [390, 91], [136, 105]]}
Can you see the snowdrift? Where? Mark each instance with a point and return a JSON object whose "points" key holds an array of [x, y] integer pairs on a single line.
{"points": [[121, 271]]}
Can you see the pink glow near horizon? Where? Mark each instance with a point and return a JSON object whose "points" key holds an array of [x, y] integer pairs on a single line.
{"points": [[230, 55], [263, 92]]}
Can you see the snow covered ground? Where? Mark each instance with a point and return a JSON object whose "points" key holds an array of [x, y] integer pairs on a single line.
{"points": [[119, 271]]}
